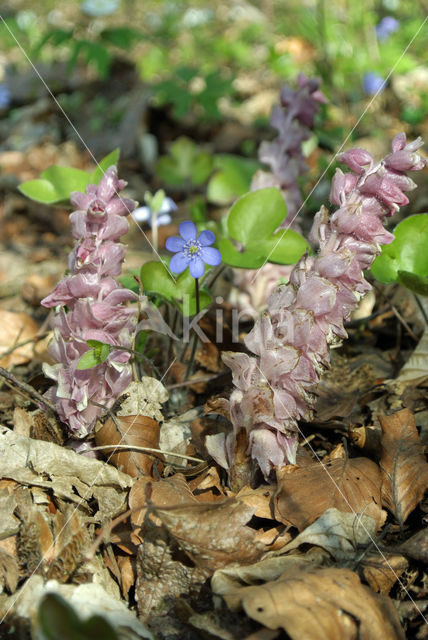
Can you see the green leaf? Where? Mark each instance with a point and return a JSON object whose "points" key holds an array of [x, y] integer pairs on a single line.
{"points": [[40, 191], [415, 283], [55, 184], [406, 255], [180, 291], [251, 226], [111, 159], [185, 163], [101, 350], [58, 619], [97, 627], [88, 360], [232, 178], [244, 259], [123, 37]]}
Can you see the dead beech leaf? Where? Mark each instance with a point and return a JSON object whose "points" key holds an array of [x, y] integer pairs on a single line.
{"points": [[260, 498], [64, 472], [137, 431], [213, 534], [320, 604], [382, 572], [340, 533], [9, 571], [16, 328], [346, 484], [403, 465]]}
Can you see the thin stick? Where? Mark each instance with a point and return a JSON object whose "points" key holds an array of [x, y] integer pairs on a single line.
{"points": [[148, 450], [27, 389]]}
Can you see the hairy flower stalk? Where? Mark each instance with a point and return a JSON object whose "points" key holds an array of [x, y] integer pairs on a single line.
{"points": [[289, 344], [90, 305], [293, 119]]}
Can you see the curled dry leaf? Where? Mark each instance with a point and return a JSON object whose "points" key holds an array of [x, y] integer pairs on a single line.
{"points": [[16, 328], [212, 534], [136, 431], [320, 604], [403, 464], [382, 572], [340, 533], [348, 485], [415, 371]]}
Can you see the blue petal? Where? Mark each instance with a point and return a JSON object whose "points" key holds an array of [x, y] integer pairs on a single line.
{"points": [[179, 262], [142, 214], [187, 230], [196, 267], [174, 244], [206, 238], [163, 219], [210, 256], [168, 205]]}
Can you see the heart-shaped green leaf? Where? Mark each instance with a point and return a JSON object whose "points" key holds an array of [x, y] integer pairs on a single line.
{"points": [[56, 183], [157, 280], [405, 260], [253, 237], [58, 619], [231, 179], [185, 163], [111, 159]]}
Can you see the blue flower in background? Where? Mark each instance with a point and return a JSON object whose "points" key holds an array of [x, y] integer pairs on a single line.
{"points": [[192, 251], [386, 27], [99, 8], [4, 96], [146, 214], [373, 83]]}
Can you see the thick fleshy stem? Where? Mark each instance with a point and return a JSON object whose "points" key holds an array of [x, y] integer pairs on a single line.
{"points": [[91, 305], [275, 385]]}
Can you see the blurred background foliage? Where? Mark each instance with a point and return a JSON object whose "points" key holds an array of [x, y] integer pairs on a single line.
{"points": [[186, 68]]}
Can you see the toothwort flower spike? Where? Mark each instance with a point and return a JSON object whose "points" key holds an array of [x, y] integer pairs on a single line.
{"points": [[289, 345], [90, 305], [294, 120], [192, 251]]}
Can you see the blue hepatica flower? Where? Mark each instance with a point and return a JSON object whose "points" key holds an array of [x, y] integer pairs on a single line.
{"points": [[192, 251], [387, 26], [145, 214], [372, 83]]}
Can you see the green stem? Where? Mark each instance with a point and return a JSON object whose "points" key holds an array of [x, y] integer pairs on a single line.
{"points": [[195, 337]]}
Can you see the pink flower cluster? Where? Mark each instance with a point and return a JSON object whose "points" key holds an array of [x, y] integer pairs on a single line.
{"points": [[293, 119], [289, 344], [91, 306]]}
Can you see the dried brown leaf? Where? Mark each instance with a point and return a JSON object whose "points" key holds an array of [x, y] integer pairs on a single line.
{"points": [[16, 328], [9, 571], [320, 604], [137, 431], [382, 572], [64, 472], [403, 465], [348, 485], [213, 535]]}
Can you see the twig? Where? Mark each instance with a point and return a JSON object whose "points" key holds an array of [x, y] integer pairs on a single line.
{"points": [[27, 389], [148, 450]]}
